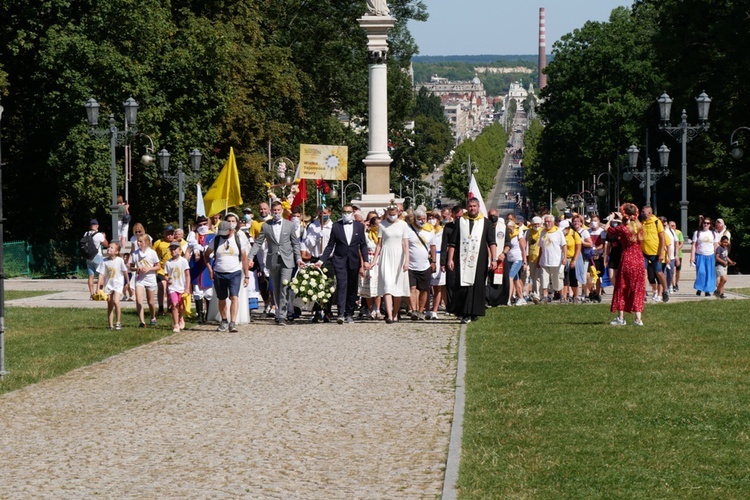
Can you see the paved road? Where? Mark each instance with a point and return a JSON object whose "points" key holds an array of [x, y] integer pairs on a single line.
{"points": [[320, 411]]}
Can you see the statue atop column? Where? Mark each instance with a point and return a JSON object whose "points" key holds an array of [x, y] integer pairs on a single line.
{"points": [[377, 8]]}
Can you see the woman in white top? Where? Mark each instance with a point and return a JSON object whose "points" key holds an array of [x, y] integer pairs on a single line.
{"points": [[438, 277], [393, 250], [516, 259], [144, 262], [702, 257]]}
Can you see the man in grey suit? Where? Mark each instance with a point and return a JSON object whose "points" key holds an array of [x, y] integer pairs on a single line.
{"points": [[282, 253]]}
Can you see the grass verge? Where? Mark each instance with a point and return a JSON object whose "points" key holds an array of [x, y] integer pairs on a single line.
{"points": [[24, 294], [561, 404], [743, 291], [42, 343]]}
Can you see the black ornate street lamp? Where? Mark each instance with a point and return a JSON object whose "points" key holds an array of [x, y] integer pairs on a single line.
{"points": [[115, 137], [684, 133], [179, 178], [648, 177]]}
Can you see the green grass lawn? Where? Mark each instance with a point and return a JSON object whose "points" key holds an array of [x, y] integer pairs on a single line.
{"points": [[559, 404], [43, 343], [23, 294], [743, 291]]}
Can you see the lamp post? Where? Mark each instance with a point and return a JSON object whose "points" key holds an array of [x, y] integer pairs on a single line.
{"points": [[471, 168], [648, 177], [115, 136], [737, 151], [343, 192], [2, 262], [601, 191], [684, 133], [179, 178]]}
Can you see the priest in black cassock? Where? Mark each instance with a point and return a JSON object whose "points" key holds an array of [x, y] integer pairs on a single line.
{"points": [[450, 275], [473, 239]]}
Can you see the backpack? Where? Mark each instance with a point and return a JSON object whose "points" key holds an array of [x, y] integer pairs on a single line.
{"points": [[236, 240], [87, 246]]}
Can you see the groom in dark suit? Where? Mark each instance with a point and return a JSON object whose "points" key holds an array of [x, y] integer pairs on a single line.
{"points": [[347, 249]]}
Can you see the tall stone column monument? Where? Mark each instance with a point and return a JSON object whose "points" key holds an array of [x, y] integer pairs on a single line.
{"points": [[376, 23]]}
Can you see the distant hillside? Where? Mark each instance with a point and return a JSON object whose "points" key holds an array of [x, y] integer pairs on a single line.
{"points": [[480, 59], [465, 67]]}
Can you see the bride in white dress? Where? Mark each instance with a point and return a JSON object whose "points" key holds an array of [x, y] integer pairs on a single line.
{"points": [[393, 251]]}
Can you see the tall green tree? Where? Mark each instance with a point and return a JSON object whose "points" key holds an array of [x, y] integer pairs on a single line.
{"points": [[209, 74], [601, 83]]}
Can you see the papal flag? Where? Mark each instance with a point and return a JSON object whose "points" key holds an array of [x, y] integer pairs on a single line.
{"points": [[225, 191]]}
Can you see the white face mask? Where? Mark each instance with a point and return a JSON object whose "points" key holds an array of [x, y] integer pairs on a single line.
{"points": [[392, 218], [296, 221], [347, 217], [419, 223], [233, 225], [277, 217], [594, 224], [433, 222], [202, 230]]}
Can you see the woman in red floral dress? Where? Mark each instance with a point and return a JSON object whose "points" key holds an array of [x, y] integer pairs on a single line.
{"points": [[630, 287]]}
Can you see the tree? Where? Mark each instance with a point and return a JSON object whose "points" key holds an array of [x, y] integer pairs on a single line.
{"points": [[209, 75], [601, 83]]}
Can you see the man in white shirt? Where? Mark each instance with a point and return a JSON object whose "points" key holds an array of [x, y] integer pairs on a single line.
{"points": [[318, 233], [421, 263], [553, 255]]}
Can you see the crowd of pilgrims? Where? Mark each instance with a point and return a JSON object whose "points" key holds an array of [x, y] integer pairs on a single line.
{"points": [[417, 265]]}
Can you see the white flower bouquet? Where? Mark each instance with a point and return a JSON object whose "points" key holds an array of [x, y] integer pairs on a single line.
{"points": [[310, 286]]}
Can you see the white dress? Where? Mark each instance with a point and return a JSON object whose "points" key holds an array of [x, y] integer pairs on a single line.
{"points": [[438, 277], [391, 277]]}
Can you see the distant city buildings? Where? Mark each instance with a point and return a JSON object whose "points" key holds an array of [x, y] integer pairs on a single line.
{"points": [[466, 105]]}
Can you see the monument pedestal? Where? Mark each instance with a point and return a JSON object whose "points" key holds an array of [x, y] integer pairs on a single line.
{"points": [[378, 159]]}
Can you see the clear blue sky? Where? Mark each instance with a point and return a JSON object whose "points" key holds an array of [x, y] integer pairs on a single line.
{"points": [[473, 27]]}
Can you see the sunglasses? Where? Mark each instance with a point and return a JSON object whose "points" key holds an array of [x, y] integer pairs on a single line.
{"points": [[706, 223]]}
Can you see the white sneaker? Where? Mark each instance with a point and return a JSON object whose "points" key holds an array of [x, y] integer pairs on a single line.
{"points": [[638, 322], [657, 298], [617, 322], [521, 302]]}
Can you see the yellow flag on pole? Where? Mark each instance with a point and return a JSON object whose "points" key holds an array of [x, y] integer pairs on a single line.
{"points": [[225, 191]]}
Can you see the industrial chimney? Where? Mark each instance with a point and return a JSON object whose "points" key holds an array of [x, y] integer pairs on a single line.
{"points": [[542, 49]]}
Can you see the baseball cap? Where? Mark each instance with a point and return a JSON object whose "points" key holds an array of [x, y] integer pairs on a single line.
{"points": [[224, 228], [93, 222], [174, 244], [247, 210], [168, 228], [536, 220], [563, 224]]}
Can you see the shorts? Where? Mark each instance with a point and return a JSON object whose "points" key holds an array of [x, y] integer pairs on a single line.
{"points": [[227, 284], [571, 279], [553, 274], [151, 287], [420, 279], [92, 264], [515, 267], [721, 271], [175, 298], [160, 278], [653, 267]]}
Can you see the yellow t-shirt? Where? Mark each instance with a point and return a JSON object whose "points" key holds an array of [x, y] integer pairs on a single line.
{"points": [[161, 247], [651, 229], [572, 239], [255, 228], [532, 244]]}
